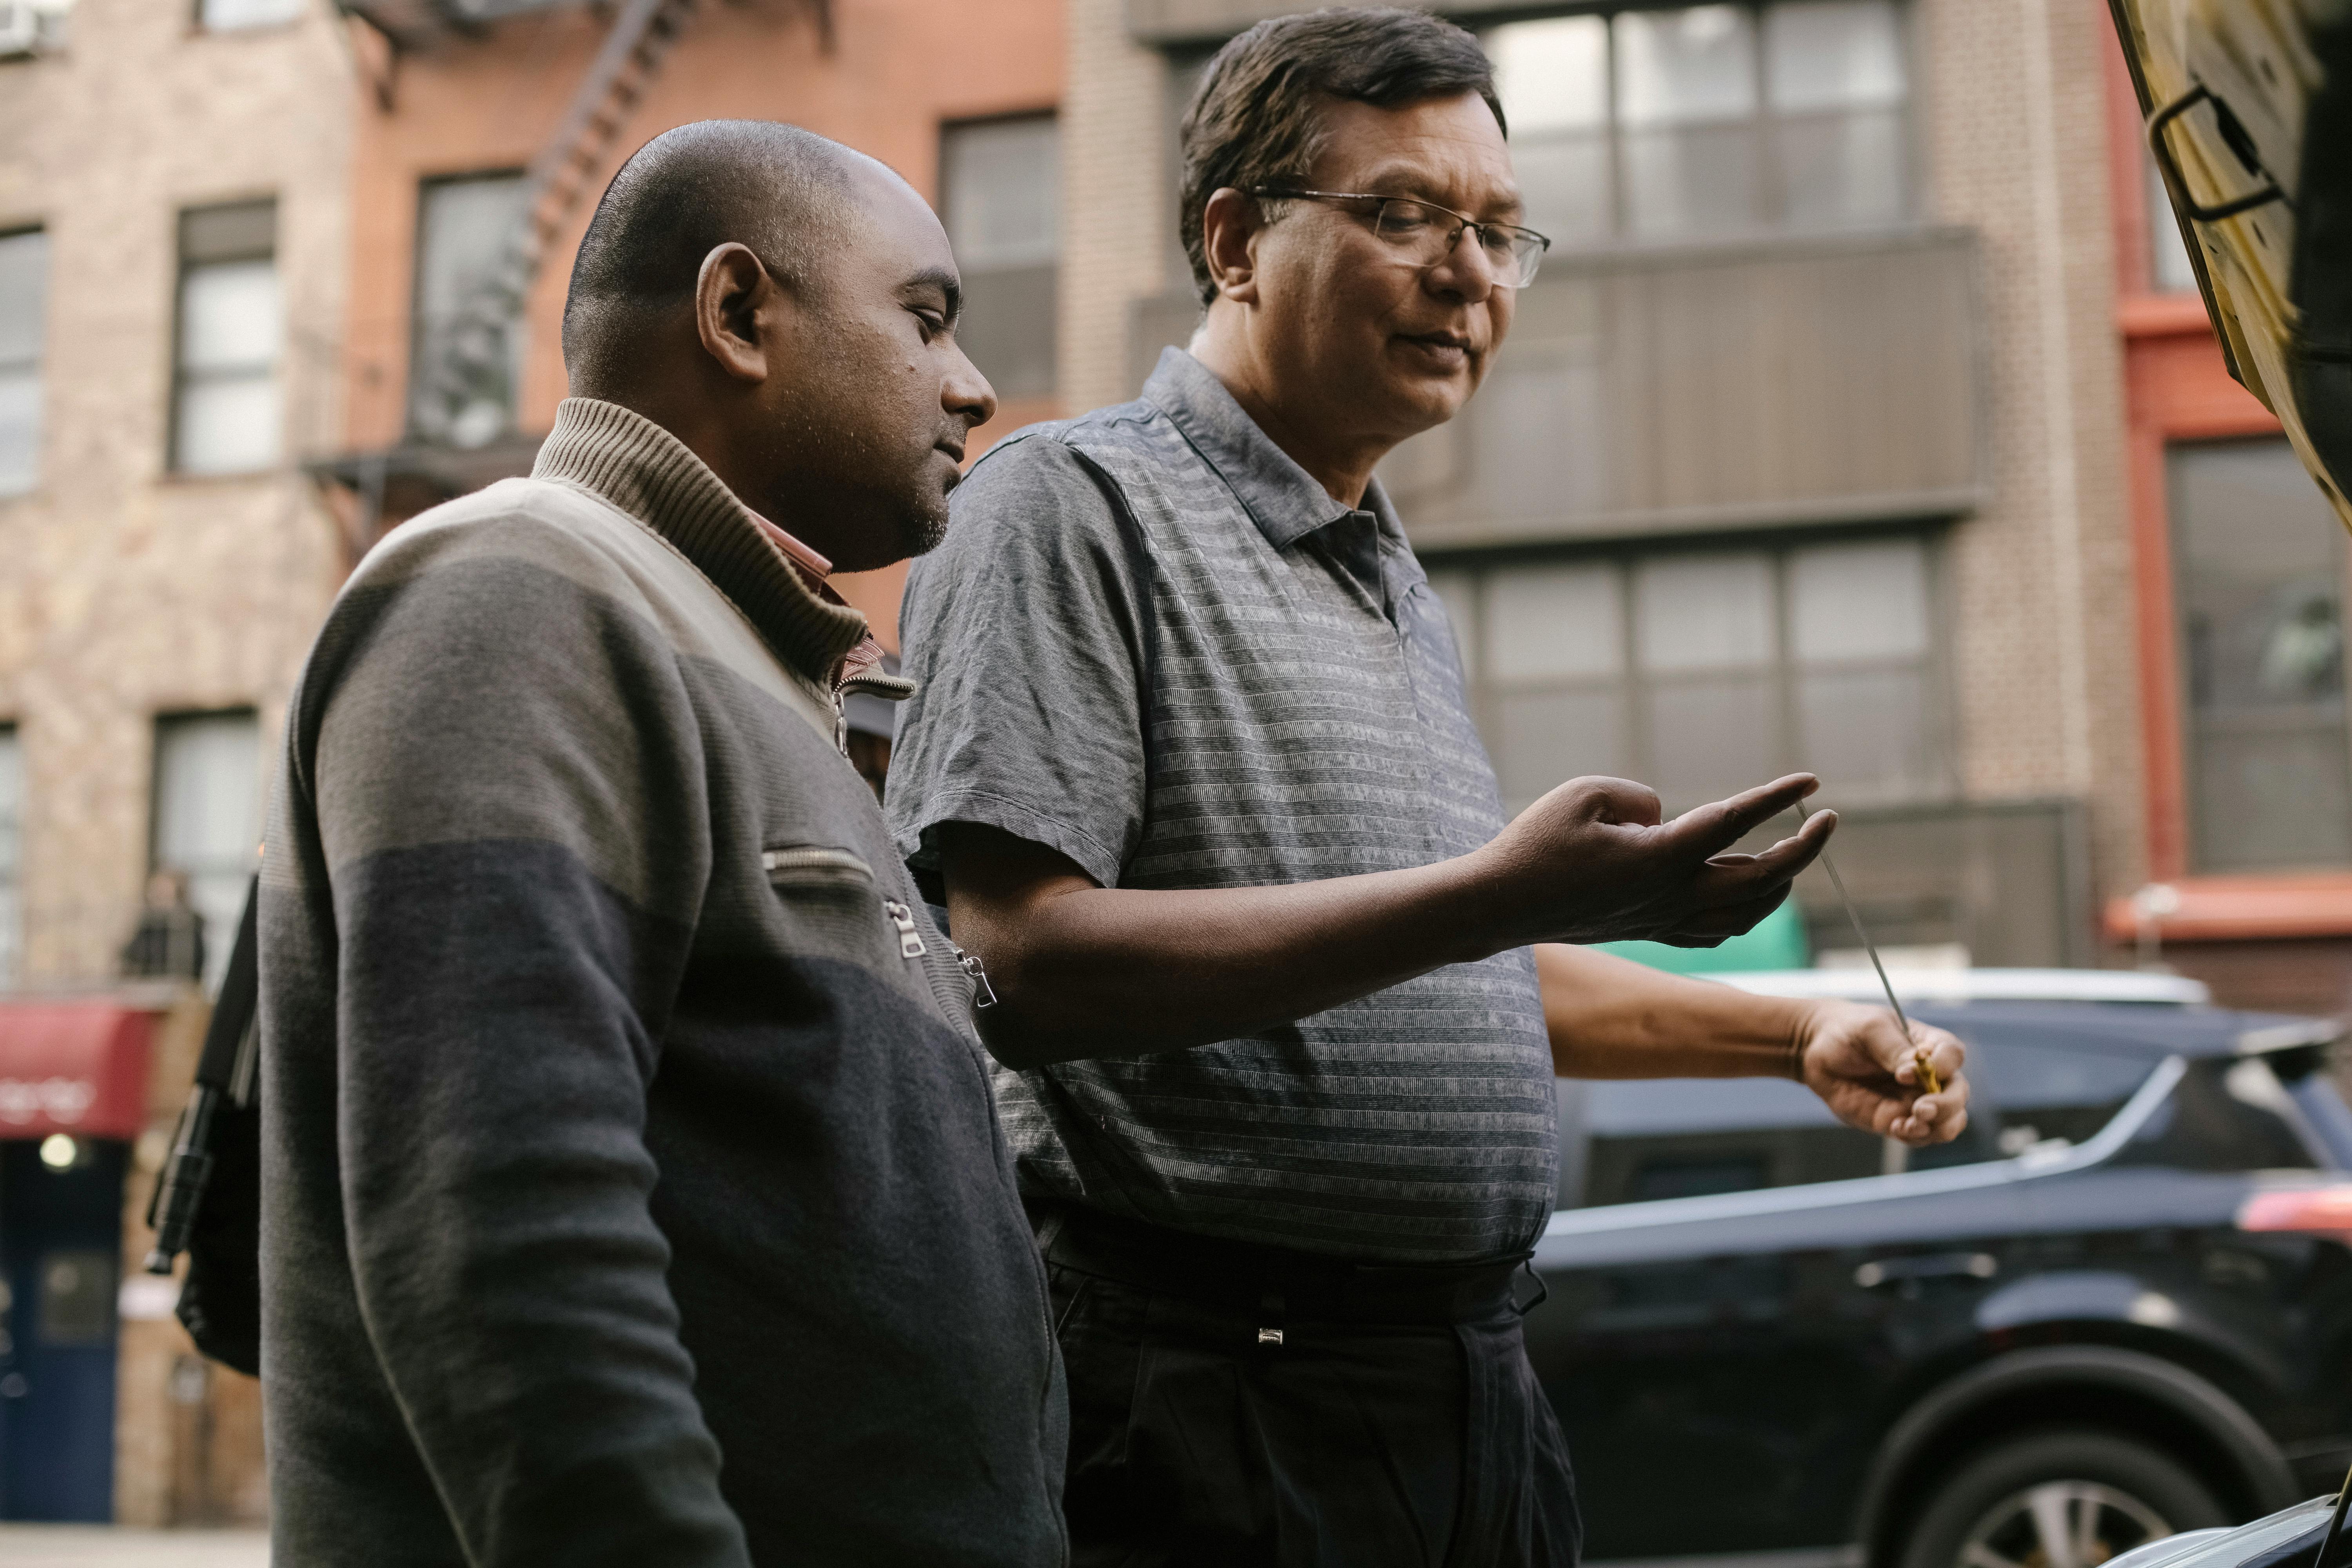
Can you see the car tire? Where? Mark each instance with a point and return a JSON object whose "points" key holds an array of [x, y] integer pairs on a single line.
{"points": [[2099, 1493]]}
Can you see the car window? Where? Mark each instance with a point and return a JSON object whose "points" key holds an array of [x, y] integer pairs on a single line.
{"points": [[1681, 1138], [1670, 1138], [2034, 1089], [2228, 1114]]}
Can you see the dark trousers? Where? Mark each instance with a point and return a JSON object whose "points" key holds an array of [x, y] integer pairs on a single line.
{"points": [[1197, 1441]]}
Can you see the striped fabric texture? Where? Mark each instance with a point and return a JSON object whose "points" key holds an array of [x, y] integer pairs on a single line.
{"points": [[1154, 644]]}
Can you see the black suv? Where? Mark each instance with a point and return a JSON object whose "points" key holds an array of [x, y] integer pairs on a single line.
{"points": [[2119, 1306]]}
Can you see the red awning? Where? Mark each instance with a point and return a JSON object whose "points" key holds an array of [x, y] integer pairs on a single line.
{"points": [[73, 1067]]}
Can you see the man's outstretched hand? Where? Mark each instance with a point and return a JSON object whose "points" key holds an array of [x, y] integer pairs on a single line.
{"points": [[1594, 861], [1856, 1059]]}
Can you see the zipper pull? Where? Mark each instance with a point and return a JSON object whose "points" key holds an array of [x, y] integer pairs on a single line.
{"points": [[983, 994], [910, 941]]}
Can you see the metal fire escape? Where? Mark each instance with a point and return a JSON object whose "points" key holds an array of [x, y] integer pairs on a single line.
{"points": [[461, 431]]}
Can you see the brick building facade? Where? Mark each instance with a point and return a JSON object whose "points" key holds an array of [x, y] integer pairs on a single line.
{"points": [[173, 228]]}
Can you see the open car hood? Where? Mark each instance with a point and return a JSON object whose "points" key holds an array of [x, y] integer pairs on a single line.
{"points": [[2248, 109]]}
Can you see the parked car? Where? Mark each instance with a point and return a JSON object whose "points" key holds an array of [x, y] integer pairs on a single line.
{"points": [[2118, 1307]]}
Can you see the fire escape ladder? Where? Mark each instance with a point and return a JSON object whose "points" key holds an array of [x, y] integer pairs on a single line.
{"points": [[558, 180]]}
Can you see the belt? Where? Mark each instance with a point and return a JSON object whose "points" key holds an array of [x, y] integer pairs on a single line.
{"points": [[1271, 1283]]}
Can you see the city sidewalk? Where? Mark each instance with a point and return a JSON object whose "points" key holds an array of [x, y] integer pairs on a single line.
{"points": [[102, 1546]]}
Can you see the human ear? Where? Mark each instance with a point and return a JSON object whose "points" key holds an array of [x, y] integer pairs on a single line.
{"points": [[1229, 225], [731, 292]]}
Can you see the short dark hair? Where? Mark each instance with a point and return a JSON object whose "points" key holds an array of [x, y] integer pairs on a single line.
{"points": [[1255, 119], [782, 191]]}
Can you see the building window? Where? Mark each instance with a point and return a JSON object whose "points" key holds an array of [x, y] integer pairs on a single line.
{"points": [[206, 818], [1708, 121], [1001, 185], [11, 855], [24, 326], [466, 372], [2172, 270], [228, 414], [2257, 566], [231, 15], [1705, 672]]}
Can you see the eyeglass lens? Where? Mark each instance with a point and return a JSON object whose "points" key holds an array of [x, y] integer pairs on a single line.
{"points": [[1428, 235]]}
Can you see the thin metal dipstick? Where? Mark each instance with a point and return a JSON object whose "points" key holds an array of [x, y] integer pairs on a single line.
{"points": [[1868, 946]]}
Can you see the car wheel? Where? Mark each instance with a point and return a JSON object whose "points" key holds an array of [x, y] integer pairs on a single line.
{"points": [[2067, 1498]]}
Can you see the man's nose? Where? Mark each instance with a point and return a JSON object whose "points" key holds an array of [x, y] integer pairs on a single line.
{"points": [[1466, 272], [966, 391]]}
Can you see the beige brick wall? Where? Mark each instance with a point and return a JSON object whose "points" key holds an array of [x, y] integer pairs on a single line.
{"points": [[2012, 110], [1116, 221], [125, 592]]}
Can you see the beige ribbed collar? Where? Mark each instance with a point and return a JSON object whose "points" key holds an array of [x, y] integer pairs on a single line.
{"points": [[653, 477]]}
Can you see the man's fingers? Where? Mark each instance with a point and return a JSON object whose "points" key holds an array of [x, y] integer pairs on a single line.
{"points": [[1739, 879], [1709, 830]]}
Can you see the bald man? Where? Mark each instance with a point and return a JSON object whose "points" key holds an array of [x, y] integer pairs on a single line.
{"points": [[633, 1191]]}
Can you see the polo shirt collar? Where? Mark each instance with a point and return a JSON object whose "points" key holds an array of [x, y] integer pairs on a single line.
{"points": [[1281, 498]]}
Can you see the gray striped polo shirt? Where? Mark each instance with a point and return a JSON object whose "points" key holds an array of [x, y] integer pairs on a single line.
{"points": [[1153, 643]]}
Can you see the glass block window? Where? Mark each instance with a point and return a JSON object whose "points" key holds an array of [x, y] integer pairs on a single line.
{"points": [[1704, 672], [1708, 120], [1001, 185], [466, 355], [24, 329], [229, 15], [12, 856], [207, 817], [227, 409], [2258, 570]]}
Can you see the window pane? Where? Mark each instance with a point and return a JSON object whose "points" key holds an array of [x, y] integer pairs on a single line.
{"points": [[1007, 329], [1834, 54], [223, 15], [24, 319], [1865, 733], [229, 425], [463, 373], [1553, 75], [1690, 182], [2174, 272], [1546, 738], [1004, 194], [1685, 68], [207, 821], [1002, 185], [1704, 611], [20, 430], [229, 318], [24, 296], [1564, 181], [1709, 739], [2259, 574], [1548, 622], [1841, 171], [12, 852], [1859, 601]]}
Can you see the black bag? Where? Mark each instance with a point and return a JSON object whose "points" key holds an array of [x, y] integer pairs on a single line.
{"points": [[208, 1203]]}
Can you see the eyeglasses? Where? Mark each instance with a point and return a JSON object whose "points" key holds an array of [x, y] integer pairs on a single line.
{"points": [[1423, 234]]}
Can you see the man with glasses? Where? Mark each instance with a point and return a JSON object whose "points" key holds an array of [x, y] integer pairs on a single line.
{"points": [[1279, 993]]}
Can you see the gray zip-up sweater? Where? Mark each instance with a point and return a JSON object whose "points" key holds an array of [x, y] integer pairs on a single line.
{"points": [[632, 1193]]}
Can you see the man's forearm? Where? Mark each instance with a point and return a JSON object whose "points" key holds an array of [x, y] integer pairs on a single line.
{"points": [[1610, 1018], [1087, 971]]}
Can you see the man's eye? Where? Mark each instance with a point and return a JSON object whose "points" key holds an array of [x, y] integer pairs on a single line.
{"points": [[934, 323]]}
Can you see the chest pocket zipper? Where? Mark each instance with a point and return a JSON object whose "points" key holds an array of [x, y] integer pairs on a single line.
{"points": [[804, 861], [910, 941]]}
